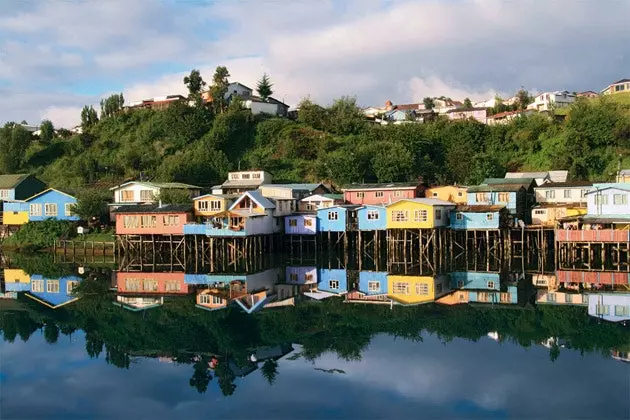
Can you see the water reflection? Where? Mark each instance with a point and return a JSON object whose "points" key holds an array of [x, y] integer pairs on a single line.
{"points": [[224, 326]]}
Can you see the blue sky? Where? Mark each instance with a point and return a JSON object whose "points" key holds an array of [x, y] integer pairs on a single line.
{"points": [[56, 56], [395, 378]]}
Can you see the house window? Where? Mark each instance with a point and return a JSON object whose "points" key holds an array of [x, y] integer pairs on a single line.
{"points": [[202, 205], [504, 197], [52, 286], [398, 193], [551, 297], [132, 285], [568, 298], [204, 299], [4, 194], [372, 215], [148, 221], [622, 310], [462, 297], [70, 285], [37, 286], [460, 284], [127, 195], [378, 194], [400, 215], [293, 276], [256, 175], [460, 194], [245, 176], [217, 300], [35, 210], [400, 288], [550, 194], [601, 200], [539, 212], [434, 194], [130, 221], [505, 297], [333, 284], [584, 298], [459, 216], [50, 209], [147, 195], [619, 88], [68, 209], [172, 286], [438, 288], [360, 195], [308, 222], [333, 215], [308, 277], [583, 193], [171, 220], [438, 214], [567, 193], [620, 199], [420, 215], [293, 222], [234, 177], [422, 289], [374, 286], [482, 197], [602, 309], [489, 216], [490, 284], [483, 297]]}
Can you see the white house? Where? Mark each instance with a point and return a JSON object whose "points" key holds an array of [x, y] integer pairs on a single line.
{"points": [[573, 192], [609, 201], [320, 201], [549, 100], [242, 181], [540, 177], [613, 307], [140, 192]]}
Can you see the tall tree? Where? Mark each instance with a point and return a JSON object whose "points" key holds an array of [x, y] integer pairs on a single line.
{"points": [[89, 117], [219, 89], [428, 103], [14, 140], [195, 84], [112, 105], [523, 99], [264, 87], [47, 132], [468, 103]]}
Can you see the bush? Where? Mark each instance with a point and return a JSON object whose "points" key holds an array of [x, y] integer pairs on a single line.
{"points": [[37, 235]]}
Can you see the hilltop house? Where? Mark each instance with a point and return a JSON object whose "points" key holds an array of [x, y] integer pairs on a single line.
{"points": [[478, 114], [620, 86], [254, 103], [547, 101], [157, 103], [241, 181], [607, 204], [540, 177], [623, 176]]}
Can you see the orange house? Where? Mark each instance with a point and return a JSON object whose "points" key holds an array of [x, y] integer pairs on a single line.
{"points": [[153, 219], [135, 283]]}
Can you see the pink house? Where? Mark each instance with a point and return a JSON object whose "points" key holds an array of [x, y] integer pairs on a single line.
{"points": [[150, 283], [381, 193], [478, 114], [153, 219]]}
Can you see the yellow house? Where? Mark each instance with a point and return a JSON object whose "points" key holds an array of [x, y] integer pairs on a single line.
{"points": [[455, 298], [418, 213], [414, 290], [550, 214], [211, 204], [453, 193]]}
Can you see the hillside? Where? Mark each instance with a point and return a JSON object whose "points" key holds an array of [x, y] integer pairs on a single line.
{"points": [[192, 144]]}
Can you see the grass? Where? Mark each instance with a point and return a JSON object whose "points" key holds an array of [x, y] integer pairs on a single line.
{"points": [[106, 236]]}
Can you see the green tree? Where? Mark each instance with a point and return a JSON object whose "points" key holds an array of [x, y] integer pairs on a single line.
{"points": [[51, 332], [174, 196], [47, 132], [264, 87], [428, 102], [201, 375], [468, 103], [345, 117], [195, 84], [14, 141], [219, 89], [392, 162], [112, 105], [89, 117], [92, 204], [313, 115], [523, 99]]}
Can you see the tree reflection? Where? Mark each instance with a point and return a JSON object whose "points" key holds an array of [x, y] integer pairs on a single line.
{"points": [[269, 370]]}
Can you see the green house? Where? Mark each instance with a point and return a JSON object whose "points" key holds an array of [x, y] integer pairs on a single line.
{"points": [[19, 186]]}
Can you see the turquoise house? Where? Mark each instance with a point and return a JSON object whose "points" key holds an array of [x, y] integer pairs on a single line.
{"points": [[475, 280], [483, 287], [372, 217], [479, 217], [337, 219], [373, 282], [332, 281], [53, 293], [48, 204]]}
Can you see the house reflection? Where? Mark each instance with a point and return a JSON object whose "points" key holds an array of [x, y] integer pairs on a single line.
{"points": [[137, 291]]}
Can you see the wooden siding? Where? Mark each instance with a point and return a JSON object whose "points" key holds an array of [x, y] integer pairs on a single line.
{"points": [[450, 193], [382, 196], [300, 224], [151, 283], [156, 223], [590, 277], [411, 209], [606, 235], [372, 218]]}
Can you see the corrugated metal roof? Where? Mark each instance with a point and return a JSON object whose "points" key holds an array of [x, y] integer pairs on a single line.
{"points": [[381, 186], [155, 208], [428, 201], [306, 187], [496, 188], [501, 181], [12, 180], [260, 199], [478, 208]]}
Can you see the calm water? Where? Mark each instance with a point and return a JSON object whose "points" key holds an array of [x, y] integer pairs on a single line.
{"points": [[97, 355]]}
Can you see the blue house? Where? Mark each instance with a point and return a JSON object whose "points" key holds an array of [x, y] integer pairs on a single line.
{"points": [[332, 281], [337, 219], [479, 217], [48, 204], [475, 280], [53, 293], [482, 287], [373, 282], [372, 217], [515, 194]]}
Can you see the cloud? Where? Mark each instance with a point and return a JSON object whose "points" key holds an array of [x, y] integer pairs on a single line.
{"points": [[376, 49]]}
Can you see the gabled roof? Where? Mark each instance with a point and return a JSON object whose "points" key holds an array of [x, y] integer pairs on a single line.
{"points": [[300, 187], [327, 196], [227, 196], [154, 208], [522, 176], [47, 191], [343, 207], [427, 201], [261, 200], [496, 188], [478, 209], [381, 186], [602, 187], [621, 81], [568, 184], [11, 181], [624, 172], [167, 185]]}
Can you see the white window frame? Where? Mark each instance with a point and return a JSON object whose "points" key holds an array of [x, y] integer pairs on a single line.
{"points": [[215, 205], [67, 208], [360, 195], [292, 222], [459, 216], [70, 285], [4, 194], [308, 222], [52, 286], [398, 193], [422, 289], [147, 195], [489, 216], [438, 214], [374, 286], [373, 215], [37, 286], [490, 284], [204, 299], [567, 193], [550, 194], [333, 284], [203, 205], [400, 216], [420, 215], [400, 288], [379, 194], [217, 300], [333, 215], [620, 199], [51, 210], [35, 209]]}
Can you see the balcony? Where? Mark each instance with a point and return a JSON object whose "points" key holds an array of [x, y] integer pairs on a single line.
{"points": [[209, 229]]}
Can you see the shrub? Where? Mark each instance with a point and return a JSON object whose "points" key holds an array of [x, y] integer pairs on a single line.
{"points": [[37, 235]]}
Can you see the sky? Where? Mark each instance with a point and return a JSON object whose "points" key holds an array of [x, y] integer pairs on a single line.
{"points": [[395, 378], [58, 55]]}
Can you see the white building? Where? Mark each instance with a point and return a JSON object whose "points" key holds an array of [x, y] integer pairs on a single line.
{"points": [[242, 181], [550, 100]]}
